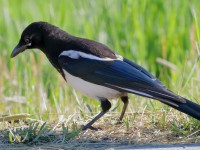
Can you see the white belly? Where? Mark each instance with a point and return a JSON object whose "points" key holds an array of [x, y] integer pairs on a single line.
{"points": [[90, 89]]}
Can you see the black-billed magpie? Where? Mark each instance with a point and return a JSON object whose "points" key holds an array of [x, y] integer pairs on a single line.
{"points": [[97, 71]]}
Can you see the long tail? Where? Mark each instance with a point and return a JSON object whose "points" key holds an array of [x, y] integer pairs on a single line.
{"points": [[182, 104], [145, 84], [169, 98], [188, 107]]}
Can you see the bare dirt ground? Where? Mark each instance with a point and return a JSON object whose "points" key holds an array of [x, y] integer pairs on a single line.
{"points": [[139, 131]]}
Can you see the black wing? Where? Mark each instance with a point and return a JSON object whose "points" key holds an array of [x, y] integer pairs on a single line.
{"points": [[122, 75]]}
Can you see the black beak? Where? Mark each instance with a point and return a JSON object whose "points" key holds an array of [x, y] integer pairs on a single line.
{"points": [[18, 49]]}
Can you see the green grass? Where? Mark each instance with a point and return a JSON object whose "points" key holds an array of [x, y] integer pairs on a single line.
{"points": [[162, 36]]}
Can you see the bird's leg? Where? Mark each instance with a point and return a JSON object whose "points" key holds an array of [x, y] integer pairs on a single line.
{"points": [[125, 101], [105, 105]]}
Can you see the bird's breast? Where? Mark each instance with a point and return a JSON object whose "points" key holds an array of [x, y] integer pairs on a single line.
{"points": [[89, 89]]}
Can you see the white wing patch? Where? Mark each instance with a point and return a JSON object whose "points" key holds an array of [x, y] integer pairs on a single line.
{"points": [[77, 54]]}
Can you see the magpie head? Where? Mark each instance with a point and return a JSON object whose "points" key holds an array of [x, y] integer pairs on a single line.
{"points": [[31, 38]]}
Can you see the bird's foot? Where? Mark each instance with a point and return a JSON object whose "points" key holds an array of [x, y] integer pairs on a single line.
{"points": [[89, 127], [119, 122]]}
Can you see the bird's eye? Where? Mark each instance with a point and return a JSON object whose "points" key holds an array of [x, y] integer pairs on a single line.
{"points": [[27, 41]]}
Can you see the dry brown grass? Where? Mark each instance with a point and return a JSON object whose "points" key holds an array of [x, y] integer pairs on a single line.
{"points": [[144, 128]]}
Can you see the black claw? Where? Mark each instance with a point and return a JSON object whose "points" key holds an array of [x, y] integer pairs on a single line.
{"points": [[89, 127], [83, 127], [119, 122]]}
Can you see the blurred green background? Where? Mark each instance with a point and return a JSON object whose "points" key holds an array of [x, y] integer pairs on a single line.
{"points": [[162, 36]]}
